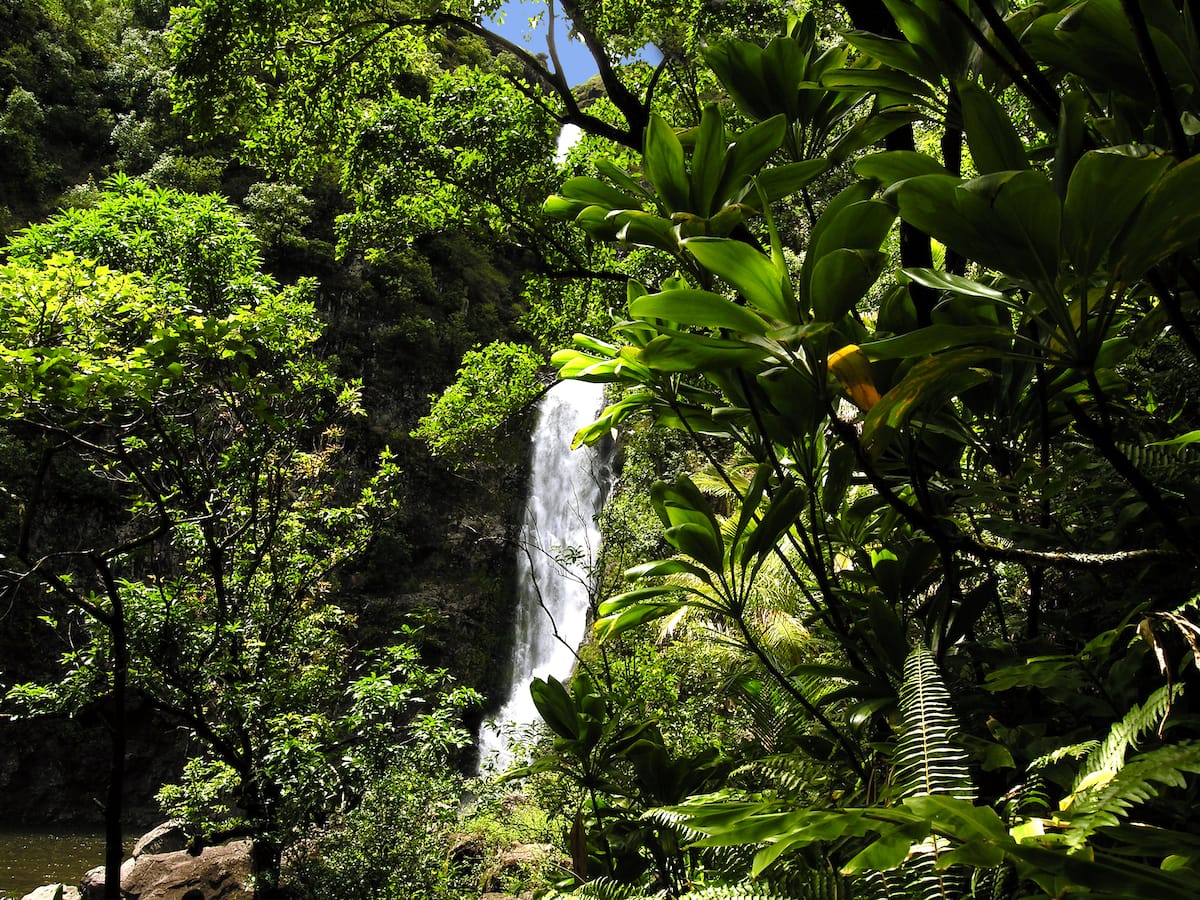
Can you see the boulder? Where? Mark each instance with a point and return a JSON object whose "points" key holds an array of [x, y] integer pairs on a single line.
{"points": [[51, 892], [520, 863], [168, 837], [91, 886], [216, 873]]}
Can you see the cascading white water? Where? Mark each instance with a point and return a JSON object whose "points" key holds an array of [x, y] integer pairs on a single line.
{"points": [[556, 550]]}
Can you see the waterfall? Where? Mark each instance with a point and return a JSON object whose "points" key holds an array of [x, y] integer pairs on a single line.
{"points": [[555, 553]]}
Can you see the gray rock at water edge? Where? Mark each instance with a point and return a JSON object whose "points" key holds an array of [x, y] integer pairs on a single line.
{"points": [[168, 837], [217, 873], [51, 892], [91, 886]]}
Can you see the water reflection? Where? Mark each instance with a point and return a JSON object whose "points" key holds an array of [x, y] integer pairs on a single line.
{"points": [[29, 859]]}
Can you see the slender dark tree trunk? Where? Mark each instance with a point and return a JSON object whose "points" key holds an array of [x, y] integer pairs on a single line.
{"points": [[114, 852]]}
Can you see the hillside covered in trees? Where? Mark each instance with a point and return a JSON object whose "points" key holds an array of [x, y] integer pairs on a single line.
{"points": [[896, 306]]}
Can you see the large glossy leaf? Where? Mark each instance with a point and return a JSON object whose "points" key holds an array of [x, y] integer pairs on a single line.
{"points": [[699, 542], [629, 610], [594, 192], [619, 176], [929, 381], [563, 208], [841, 278], [641, 228], [702, 308], [662, 161], [752, 273], [783, 65], [1007, 221], [869, 130], [778, 182], [955, 284], [1104, 190], [897, 165], [783, 512], [698, 353], [887, 81], [738, 66], [899, 54], [862, 225], [1094, 40], [746, 155], [994, 142], [708, 160], [1168, 221], [556, 707], [681, 502], [934, 339]]}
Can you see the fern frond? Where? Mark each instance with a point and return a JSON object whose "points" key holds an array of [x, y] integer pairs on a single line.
{"points": [[1134, 784], [784, 774], [1074, 751], [1135, 724], [745, 891], [929, 761], [605, 889]]}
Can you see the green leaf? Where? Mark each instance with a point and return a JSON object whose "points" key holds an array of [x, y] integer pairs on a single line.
{"points": [[751, 273], [994, 142], [661, 567], [778, 182], [693, 307], [956, 284], [886, 81], [929, 381], [594, 192], [899, 54], [934, 339], [897, 165], [555, 707], [698, 353], [563, 208], [887, 852], [663, 164], [699, 542], [738, 66], [708, 160], [643, 229], [784, 512], [1008, 221], [841, 278], [1105, 189], [625, 612], [1168, 221], [747, 154]]}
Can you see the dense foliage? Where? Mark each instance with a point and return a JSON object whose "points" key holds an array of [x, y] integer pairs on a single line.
{"points": [[898, 596], [960, 481]]}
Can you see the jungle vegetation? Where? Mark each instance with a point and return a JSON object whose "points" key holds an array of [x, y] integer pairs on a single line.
{"points": [[897, 305]]}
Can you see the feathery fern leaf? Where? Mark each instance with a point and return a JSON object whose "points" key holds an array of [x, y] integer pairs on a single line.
{"points": [[929, 761], [1134, 784], [1109, 757]]}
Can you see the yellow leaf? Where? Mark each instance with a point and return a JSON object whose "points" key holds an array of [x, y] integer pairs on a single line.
{"points": [[853, 371]]}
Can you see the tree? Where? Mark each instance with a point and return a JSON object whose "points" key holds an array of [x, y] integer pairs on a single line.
{"points": [[186, 386], [986, 492]]}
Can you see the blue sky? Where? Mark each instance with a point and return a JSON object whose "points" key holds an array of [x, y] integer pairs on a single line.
{"points": [[576, 60]]}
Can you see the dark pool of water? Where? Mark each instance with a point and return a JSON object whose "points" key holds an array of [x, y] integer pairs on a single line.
{"points": [[29, 859]]}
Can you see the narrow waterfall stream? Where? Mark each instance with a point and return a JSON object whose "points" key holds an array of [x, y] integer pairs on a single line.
{"points": [[555, 553]]}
